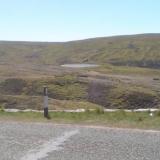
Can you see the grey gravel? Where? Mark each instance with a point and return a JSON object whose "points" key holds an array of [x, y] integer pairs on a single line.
{"points": [[90, 143]]}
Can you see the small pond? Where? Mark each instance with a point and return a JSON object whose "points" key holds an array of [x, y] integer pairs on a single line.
{"points": [[81, 65]]}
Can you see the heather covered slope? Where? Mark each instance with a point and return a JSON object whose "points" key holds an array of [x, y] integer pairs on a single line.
{"points": [[136, 50]]}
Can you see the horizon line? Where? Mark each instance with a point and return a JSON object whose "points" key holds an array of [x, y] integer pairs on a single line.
{"points": [[74, 40]]}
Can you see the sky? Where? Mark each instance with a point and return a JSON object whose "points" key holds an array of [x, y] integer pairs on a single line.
{"points": [[66, 20]]}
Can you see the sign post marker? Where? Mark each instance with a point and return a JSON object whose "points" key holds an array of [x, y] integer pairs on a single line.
{"points": [[45, 107]]}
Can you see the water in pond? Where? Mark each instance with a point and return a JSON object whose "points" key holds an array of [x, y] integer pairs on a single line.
{"points": [[79, 65]]}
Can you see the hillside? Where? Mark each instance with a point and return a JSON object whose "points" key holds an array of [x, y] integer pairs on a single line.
{"points": [[121, 81], [135, 50]]}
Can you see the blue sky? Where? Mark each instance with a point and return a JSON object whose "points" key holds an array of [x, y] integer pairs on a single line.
{"points": [[65, 20]]}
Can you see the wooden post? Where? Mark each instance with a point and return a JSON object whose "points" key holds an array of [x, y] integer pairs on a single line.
{"points": [[45, 102]]}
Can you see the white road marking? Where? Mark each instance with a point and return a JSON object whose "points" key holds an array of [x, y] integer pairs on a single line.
{"points": [[48, 147], [83, 110]]}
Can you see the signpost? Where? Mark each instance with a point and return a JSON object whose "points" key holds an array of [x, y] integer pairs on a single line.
{"points": [[45, 102]]}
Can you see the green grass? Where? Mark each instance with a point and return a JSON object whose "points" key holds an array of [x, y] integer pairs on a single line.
{"points": [[120, 118]]}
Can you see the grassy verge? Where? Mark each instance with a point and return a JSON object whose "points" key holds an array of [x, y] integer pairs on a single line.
{"points": [[122, 119]]}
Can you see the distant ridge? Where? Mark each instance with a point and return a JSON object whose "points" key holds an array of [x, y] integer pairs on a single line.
{"points": [[142, 50]]}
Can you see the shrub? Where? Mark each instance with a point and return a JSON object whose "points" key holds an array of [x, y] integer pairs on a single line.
{"points": [[13, 85], [139, 100]]}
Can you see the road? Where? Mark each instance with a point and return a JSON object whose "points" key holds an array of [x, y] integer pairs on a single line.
{"points": [[41, 141]]}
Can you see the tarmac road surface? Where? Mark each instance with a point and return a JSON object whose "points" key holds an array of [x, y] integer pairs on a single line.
{"points": [[41, 141]]}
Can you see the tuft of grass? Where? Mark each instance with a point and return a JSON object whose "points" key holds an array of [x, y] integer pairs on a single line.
{"points": [[122, 112], [87, 110], [158, 114], [1, 109], [99, 110], [140, 119]]}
